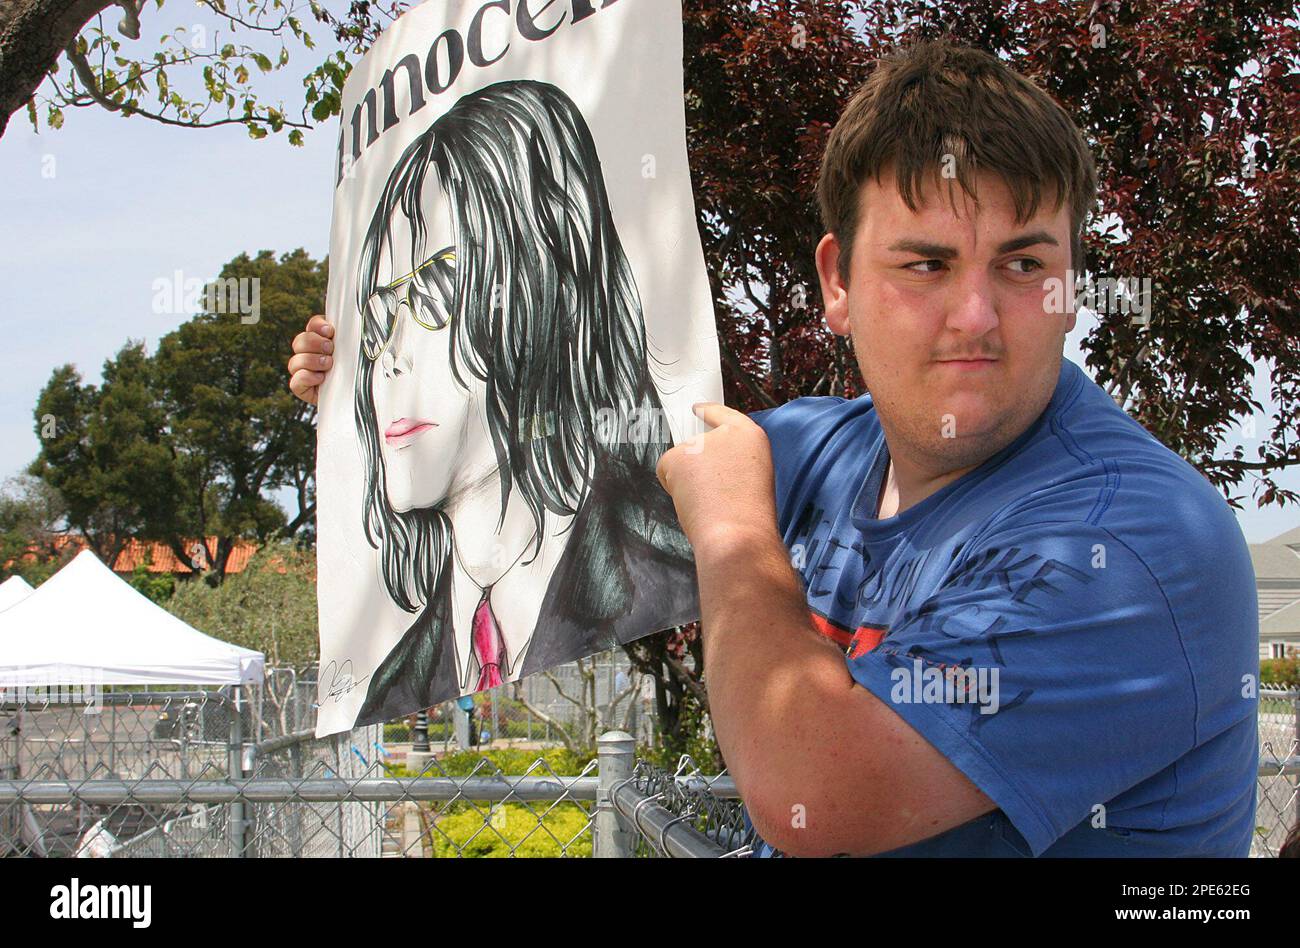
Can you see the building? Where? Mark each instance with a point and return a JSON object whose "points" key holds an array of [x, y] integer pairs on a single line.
{"points": [[157, 556], [1277, 582]]}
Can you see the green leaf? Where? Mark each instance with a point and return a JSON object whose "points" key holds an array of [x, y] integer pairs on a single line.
{"points": [[295, 136], [263, 61], [256, 131]]}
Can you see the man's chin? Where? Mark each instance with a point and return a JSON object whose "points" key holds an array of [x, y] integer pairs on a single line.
{"points": [[970, 442]]}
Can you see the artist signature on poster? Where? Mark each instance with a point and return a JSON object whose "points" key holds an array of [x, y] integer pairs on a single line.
{"points": [[342, 681]]}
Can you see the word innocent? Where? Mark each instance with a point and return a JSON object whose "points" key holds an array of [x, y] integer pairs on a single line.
{"points": [[446, 57]]}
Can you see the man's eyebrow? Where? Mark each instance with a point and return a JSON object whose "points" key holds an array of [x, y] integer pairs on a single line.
{"points": [[932, 251], [1028, 240]]}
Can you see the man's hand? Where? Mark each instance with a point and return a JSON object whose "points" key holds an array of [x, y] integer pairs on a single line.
{"points": [[721, 481], [311, 359]]}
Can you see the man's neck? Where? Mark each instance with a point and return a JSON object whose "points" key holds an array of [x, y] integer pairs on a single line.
{"points": [[904, 488]]}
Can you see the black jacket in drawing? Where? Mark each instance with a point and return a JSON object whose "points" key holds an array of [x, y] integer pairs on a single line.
{"points": [[626, 571]]}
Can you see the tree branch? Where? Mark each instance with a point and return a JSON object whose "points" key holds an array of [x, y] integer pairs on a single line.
{"points": [[240, 21], [745, 378], [32, 36], [690, 681], [542, 716], [86, 73]]}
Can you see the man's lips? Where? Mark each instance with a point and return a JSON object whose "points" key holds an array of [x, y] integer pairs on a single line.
{"points": [[965, 364], [405, 430]]}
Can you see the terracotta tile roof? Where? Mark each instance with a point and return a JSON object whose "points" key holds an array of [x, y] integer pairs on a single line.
{"points": [[160, 556], [162, 559]]}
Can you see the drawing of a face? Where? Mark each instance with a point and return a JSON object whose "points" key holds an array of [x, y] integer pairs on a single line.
{"points": [[422, 414], [500, 321]]}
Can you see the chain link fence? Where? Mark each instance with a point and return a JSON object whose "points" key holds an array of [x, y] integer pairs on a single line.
{"points": [[568, 705], [238, 773], [1277, 804]]}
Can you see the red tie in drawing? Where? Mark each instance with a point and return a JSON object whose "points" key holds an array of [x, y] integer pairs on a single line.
{"points": [[488, 646]]}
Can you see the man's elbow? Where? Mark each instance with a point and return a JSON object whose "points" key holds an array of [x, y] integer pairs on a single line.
{"points": [[807, 828]]}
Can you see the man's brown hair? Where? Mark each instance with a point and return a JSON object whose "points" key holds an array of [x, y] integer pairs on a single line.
{"points": [[935, 99]]}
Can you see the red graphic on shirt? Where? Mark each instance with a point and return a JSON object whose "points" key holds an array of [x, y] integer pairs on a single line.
{"points": [[858, 642]]}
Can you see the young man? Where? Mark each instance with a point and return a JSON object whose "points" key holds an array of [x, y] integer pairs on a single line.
{"points": [[979, 610], [1033, 628]]}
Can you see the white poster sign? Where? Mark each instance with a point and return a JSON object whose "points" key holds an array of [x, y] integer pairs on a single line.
{"points": [[523, 321]]}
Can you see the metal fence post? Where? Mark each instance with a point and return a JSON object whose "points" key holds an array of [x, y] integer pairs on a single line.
{"points": [[295, 812], [1295, 739], [616, 756], [236, 769]]}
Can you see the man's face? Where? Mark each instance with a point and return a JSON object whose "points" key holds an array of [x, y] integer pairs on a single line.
{"points": [[946, 312]]}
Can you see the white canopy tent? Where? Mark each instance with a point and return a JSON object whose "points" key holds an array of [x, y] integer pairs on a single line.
{"points": [[87, 625], [13, 591]]}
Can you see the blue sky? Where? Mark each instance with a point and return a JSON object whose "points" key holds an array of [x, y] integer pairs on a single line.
{"points": [[131, 201]]}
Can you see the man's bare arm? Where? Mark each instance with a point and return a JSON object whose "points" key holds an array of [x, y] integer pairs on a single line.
{"points": [[823, 765], [807, 746]]}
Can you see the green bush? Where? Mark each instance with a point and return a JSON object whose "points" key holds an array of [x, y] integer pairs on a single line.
{"points": [[694, 740], [270, 606], [511, 761], [1280, 671], [400, 732], [513, 826]]}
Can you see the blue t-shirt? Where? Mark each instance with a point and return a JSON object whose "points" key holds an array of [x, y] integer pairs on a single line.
{"points": [[1073, 624]]}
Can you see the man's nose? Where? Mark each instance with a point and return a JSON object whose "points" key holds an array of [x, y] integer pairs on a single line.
{"points": [[972, 309]]}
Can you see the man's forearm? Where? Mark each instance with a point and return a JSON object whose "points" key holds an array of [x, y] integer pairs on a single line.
{"points": [[774, 682]]}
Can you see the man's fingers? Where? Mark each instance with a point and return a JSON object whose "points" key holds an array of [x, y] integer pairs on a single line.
{"points": [[312, 342], [312, 361], [659, 471], [715, 413], [319, 324], [306, 385]]}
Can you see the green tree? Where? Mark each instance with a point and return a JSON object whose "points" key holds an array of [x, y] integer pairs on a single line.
{"points": [[107, 452], [237, 431], [30, 527], [190, 442]]}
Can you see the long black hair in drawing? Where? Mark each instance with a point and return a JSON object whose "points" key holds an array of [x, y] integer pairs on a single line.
{"points": [[545, 312]]}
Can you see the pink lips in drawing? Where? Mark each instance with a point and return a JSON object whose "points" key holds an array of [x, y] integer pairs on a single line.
{"points": [[405, 430]]}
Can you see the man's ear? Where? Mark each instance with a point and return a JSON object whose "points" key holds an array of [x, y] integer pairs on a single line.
{"points": [[835, 292]]}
